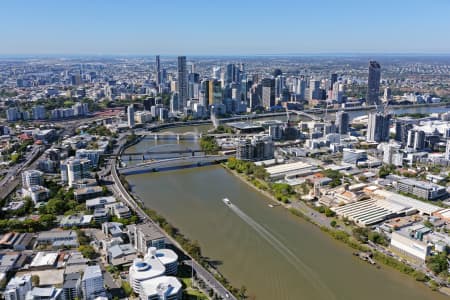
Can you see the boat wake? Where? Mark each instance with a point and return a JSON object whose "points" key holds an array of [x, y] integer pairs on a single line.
{"points": [[290, 256]]}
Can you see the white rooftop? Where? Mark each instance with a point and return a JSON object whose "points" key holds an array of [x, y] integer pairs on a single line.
{"points": [[44, 259], [163, 286], [421, 206]]}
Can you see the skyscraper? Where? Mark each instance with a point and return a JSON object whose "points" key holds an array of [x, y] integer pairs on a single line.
{"points": [[314, 90], [214, 92], [158, 70], [130, 116], [268, 92], [373, 84], [333, 79], [182, 87], [378, 127], [342, 120]]}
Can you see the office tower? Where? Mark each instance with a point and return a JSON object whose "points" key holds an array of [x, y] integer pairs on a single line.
{"points": [[182, 86], [18, 287], [387, 94], [158, 71], [92, 283], [342, 121], [378, 127], [31, 177], [130, 116], [215, 92], [373, 83], [333, 80], [314, 90], [232, 74], [268, 92]]}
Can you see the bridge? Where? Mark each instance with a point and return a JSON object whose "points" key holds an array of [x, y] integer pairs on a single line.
{"points": [[169, 135], [173, 163], [127, 156]]}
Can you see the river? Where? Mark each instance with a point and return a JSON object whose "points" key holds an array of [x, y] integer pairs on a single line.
{"points": [[273, 253]]}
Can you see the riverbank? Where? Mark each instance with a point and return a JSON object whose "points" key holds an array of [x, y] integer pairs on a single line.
{"points": [[310, 215]]}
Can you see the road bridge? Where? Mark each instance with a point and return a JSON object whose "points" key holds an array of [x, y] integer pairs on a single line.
{"points": [[173, 163]]}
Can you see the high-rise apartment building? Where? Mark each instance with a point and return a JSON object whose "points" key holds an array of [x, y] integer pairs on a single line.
{"points": [[130, 116], [182, 86], [373, 84], [342, 121], [158, 70], [268, 92], [378, 127], [92, 283], [31, 177]]}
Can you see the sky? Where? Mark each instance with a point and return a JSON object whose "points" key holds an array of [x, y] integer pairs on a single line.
{"points": [[227, 27]]}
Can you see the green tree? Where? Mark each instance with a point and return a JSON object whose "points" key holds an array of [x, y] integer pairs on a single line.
{"points": [[438, 263], [87, 251]]}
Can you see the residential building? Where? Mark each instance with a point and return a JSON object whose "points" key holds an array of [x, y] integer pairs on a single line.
{"points": [[72, 286], [47, 293], [18, 287], [130, 116], [74, 169], [146, 235], [255, 149], [373, 84], [182, 84], [378, 127], [342, 122], [268, 92], [161, 288], [92, 283], [31, 177], [90, 154]]}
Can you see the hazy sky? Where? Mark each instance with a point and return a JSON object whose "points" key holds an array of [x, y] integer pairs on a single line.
{"points": [[223, 27]]}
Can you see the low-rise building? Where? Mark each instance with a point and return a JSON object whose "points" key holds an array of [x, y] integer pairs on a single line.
{"points": [[161, 288], [421, 189], [99, 202], [144, 236], [58, 238], [48, 293], [87, 192], [403, 242]]}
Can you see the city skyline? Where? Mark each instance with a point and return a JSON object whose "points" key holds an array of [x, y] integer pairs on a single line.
{"points": [[252, 28]]}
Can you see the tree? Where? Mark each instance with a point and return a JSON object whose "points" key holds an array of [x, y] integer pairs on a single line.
{"points": [[333, 223], [87, 251], [35, 279], [438, 263], [242, 294], [126, 287]]}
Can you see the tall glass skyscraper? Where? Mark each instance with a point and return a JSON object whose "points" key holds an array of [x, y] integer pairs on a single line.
{"points": [[182, 87], [373, 84]]}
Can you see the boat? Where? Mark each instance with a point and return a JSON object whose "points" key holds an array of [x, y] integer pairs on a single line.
{"points": [[226, 201], [271, 206]]}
